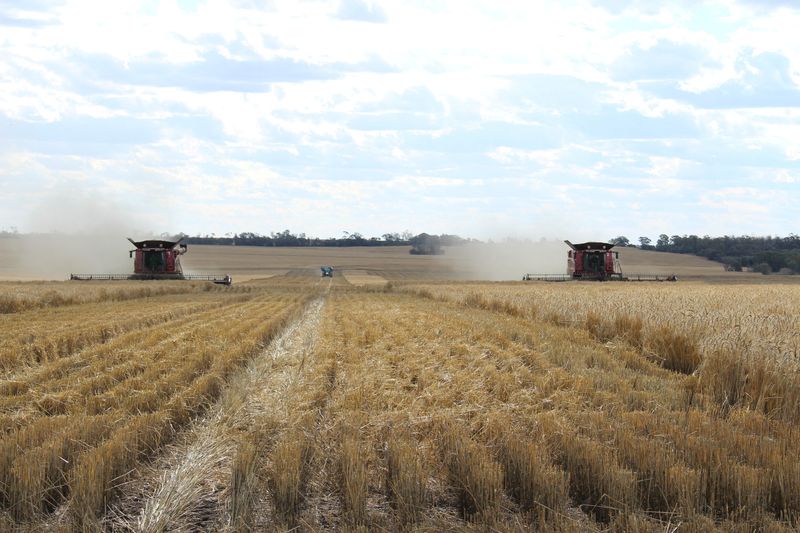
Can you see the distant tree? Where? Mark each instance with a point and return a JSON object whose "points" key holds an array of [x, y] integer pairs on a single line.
{"points": [[620, 241], [663, 242], [424, 244], [794, 263], [644, 243], [764, 268], [733, 264]]}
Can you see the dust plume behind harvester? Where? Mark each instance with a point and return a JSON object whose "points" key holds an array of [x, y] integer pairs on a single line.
{"points": [[595, 261], [154, 260]]}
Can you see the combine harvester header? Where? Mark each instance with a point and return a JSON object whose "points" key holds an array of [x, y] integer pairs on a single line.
{"points": [[597, 262], [156, 259]]}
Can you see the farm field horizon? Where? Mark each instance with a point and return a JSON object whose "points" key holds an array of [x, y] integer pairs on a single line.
{"points": [[55, 258]]}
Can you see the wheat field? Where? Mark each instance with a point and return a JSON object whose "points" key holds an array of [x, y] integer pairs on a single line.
{"points": [[355, 403]]}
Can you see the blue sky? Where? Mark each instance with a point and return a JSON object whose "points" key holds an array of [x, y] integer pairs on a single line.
{"points": [[585, 119]]}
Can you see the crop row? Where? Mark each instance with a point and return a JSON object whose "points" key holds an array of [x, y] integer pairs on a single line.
{"points": [[449, 414], [80, 424], [17, 297], [27, 340]]}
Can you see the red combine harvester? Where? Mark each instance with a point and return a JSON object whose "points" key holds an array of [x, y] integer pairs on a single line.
{"points": [[156, 259], [597, 262], [593, 260]]}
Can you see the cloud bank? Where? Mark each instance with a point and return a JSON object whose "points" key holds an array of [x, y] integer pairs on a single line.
{"points": [[581, 119]]}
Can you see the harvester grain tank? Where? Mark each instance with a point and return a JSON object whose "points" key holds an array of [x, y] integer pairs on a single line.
{"points": [[156, 259]]}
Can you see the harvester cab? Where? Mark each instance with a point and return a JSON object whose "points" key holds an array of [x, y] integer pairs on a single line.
{"points": [[327, 271], [157, 257], [593, 260]]}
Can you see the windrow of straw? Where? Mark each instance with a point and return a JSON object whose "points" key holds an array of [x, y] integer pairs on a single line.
{"points": [[215, 477]]}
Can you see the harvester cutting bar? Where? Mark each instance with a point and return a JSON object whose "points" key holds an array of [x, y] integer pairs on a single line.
{"points": [[628, 277], [99, 277], [546, 277], [219, 280], [651, 277]]}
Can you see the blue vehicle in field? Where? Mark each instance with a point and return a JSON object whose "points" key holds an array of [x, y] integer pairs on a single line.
{"points": [[327, 271]]}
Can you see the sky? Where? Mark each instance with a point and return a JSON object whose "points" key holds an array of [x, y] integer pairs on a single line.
{"points": [[580, 119]]}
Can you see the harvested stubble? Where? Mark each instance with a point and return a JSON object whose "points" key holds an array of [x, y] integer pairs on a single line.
{"points": [[243, 487], [31, 339], [477, 479], [530, 477], [353, 479], [493, 412], [405, 480], [288, 476], [640, 446], [120, 402], [154, 432]]}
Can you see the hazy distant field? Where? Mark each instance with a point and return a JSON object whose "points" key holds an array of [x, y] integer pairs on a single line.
{"points": [[54, 258]]}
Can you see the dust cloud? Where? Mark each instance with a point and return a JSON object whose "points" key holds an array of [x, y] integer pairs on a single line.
{"points": [[508, 260], [72, 233]]}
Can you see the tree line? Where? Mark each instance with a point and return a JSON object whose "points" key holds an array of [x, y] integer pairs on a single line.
{"points": [[423, 244], [760, 254]]}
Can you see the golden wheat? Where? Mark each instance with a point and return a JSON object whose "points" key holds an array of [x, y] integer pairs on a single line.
{"points": [[426, 407]]}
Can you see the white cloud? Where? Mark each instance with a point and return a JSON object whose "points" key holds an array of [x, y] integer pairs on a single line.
{"points": [[340, 109]]}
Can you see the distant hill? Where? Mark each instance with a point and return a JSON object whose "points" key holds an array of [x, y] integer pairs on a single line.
{"points": [[634, 260]]}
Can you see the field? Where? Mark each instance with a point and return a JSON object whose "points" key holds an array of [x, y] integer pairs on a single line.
{"points": [[389, 398], [51, 257]]}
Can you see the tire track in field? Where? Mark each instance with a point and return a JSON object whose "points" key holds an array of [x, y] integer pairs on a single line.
{"points": [[188, 489]]}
